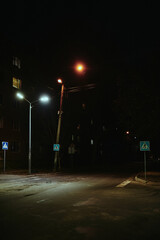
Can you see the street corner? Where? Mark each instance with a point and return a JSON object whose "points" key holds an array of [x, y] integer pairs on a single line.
{"points": [[151, 178], [140, 179]]}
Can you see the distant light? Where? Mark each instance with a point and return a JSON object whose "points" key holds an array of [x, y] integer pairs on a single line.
{"points": [[78, 127], [127, 132], [91, 141], [84, 106], [59, 80], [20, 95], [44, 98], [104, 128]]}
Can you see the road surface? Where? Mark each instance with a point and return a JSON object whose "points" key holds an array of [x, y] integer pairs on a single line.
{"points": [[77, 206]]}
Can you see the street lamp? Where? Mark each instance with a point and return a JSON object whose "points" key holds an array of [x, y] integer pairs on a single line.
{"points": [[59, 80], [80, 68], [43, 99], [59, 125]]}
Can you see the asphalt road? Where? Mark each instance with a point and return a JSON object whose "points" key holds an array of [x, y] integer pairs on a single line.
{"points": [[77, 206]]}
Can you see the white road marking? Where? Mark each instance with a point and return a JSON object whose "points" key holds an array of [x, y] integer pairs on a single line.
{"points": [[90, 201], [123, 184], [41, 200]]}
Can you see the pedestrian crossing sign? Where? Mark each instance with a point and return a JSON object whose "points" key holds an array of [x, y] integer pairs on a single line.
{"points": [[144, 146], [5, 145], [56, 147]]}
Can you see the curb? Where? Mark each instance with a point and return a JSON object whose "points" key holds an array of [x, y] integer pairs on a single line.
{"points": [[137, 179]]}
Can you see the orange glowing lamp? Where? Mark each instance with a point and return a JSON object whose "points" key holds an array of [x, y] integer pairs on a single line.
{"points": [[80, 68], [59, 80]]}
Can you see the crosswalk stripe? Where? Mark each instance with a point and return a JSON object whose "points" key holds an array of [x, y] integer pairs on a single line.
{"points": [[123, 184]]}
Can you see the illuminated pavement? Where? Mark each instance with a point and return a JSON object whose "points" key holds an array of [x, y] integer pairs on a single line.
{"points": [[95, 206]]}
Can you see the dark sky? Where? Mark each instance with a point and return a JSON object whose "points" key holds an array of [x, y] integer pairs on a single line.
{"points": [[56, 34], [117, 40]]}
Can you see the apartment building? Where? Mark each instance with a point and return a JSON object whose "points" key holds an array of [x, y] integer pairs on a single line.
{"points": [[12, 113]]}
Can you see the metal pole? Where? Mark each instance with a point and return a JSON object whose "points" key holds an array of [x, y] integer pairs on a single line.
{"points": [[145, 165], [4, 161], [29, 153], [58, 129]]}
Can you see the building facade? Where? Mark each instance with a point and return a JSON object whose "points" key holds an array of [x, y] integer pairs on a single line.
{"points": [[12, 113]]}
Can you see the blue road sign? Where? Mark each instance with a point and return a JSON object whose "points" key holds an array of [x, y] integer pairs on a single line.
{"points": [[56, 147], [144, 146], [5, 145]]}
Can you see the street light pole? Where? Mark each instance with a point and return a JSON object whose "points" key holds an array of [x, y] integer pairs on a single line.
{"points": [[42, 99], [58, 129], [80, 68], [29, 153], [30, 136]]}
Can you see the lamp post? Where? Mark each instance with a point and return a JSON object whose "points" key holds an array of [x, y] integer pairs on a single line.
{"points": [[42, 99], [80, 69], [56, 156]]}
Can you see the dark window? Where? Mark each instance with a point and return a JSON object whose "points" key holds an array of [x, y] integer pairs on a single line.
{"points": [[15, 125], [1, 76], [1, 99], [15, 103], [17, 62], [1, 122], [14, 146]]}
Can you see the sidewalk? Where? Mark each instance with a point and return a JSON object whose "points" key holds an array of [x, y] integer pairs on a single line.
{"points": [[151, 178]]}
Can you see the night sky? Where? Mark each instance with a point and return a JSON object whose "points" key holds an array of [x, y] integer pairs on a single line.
{"points": [[118, 41], [57, 34]]}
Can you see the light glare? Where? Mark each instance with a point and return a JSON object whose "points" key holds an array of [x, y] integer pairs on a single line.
{"points": [[59, 80], [20, 95], [44, 98], [79, 67]]}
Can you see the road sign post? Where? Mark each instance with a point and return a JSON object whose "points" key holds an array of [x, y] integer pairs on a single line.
{"points": [[145, 166], [144, 147], [4, 147], [4, 167]]}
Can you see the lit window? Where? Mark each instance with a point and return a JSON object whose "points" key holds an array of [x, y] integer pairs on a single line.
{"points": [[1, 122], [16, 83]]}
